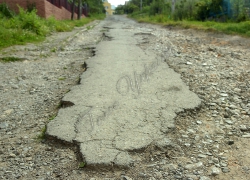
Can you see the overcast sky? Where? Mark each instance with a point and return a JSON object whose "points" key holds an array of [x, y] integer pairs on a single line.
{"points": [[116, 2]]}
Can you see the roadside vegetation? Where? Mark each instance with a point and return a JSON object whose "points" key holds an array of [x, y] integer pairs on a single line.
{"points": [[27, 26], [227, 16]]}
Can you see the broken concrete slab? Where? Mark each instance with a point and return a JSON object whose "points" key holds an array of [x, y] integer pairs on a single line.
{"points": [[126, 101]]}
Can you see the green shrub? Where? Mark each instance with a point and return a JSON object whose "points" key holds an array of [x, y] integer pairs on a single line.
{"points": [[10, 59], [5, 11], [31, 21], [29, 27]]}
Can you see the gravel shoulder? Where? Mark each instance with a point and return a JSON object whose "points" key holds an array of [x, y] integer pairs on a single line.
{"points": [[211, 142]]}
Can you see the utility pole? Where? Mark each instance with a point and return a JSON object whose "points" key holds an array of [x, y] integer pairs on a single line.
{"points": [[173, 6], [73, 10], [79, 9]]}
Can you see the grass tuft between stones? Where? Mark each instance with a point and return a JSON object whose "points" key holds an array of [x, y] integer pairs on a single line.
{"points": [[82, 165], [41, 136], [10, 59]]}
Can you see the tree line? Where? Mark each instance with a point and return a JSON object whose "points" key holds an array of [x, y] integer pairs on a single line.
{"points": [[93, 7], [220, 10]]}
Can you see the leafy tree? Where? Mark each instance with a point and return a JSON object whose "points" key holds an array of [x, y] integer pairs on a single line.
{"points": [[94, 7], [119, 9], [73, 9], [239, 11], [189, 9], [203, 9], [216, 6]]}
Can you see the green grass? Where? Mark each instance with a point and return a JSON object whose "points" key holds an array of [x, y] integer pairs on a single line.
{"points": [[10, 59], [28, 27], [82, 165], [54, 49], [61, 78], [41, 136], [242, 28], [52, 118]]}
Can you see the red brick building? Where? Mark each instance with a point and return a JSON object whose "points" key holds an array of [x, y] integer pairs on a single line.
{"points": [[60, 9]]}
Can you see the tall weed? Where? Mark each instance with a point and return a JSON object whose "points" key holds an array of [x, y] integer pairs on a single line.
{"points": [[31, 21]]}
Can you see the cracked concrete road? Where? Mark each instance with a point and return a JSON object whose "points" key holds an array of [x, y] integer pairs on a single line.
{"points": [[126, 100]]}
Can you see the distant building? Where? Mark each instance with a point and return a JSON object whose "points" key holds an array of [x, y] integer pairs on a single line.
{"points": [[113, 9], [107, 6]]}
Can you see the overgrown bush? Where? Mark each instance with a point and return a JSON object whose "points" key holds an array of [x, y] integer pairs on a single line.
{"points": [[32, 22], [203, 9], [159, 7], [5, 11], [29, 27]]}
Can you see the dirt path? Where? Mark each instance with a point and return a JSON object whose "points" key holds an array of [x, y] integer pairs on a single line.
{"points": [[208, 142]]}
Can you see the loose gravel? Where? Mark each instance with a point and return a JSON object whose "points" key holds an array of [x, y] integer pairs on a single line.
{"points": [[210, 142]]}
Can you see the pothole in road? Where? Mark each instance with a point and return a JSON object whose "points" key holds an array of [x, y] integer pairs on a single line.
{"points": [[65, 104], [85, 66], [105, 37], [143, 33], [91, 49], [106, 27]]}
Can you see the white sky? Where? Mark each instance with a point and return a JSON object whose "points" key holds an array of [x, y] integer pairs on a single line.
{"points": [[117, 2]]}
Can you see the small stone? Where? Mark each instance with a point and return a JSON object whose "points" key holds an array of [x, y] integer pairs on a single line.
{"points": [[230, 142], [201, 156], [171, 167], [237, 90], [246, 135], [4, 125], [8, 112], [157, 175], [126, 178], [188, 63], [178, 177], [142, 175], [224, 95], [185, 136], [243, 128], [215, 171], [15, 86], [151, 165], [204, 178], [198, 122], [191, 177], [12, 155], [233, 106], [193, 166], [209, 154], [225, 169], [29, 158], [228, 121]]}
